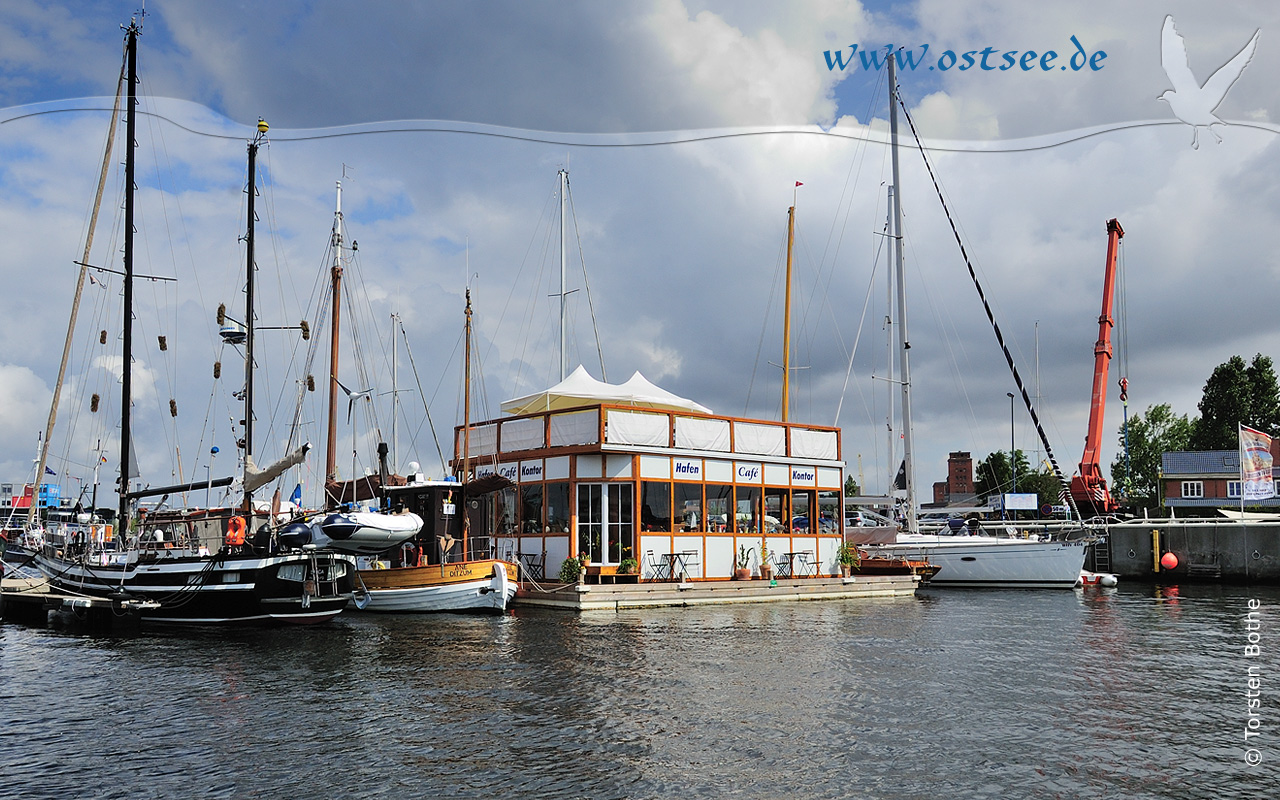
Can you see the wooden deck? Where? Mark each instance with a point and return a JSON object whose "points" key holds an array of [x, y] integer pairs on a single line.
{"points": [[653, 594]]}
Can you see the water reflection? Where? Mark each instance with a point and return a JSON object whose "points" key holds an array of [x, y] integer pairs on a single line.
{"points": [[952, 693]]}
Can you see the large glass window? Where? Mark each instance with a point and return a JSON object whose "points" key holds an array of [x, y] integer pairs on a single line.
{"points": [[777, 510], [531, 508], [558, 507], [802, 506], [504, 510], [655, 506], [747, 501], [829, 513], [688, 506], [719, 508]]}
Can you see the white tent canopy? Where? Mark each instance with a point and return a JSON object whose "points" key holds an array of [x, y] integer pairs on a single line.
{"points": [[581, 389]]}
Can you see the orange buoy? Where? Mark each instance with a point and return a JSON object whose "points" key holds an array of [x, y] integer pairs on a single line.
{"points": [[1169, 561]]}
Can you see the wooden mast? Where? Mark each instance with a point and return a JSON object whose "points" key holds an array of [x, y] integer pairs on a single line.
{"points": [[331, 452], [466, 396], [126, 377], [786, 319]]}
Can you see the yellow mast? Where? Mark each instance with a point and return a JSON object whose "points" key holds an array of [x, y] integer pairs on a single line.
{"points": [[786, 320]]}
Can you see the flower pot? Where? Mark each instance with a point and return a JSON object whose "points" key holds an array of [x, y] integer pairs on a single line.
{"points": [[845, 570], [766, 573], [742, 574]]}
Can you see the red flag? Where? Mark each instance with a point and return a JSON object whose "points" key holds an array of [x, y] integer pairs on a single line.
{"points": [[798, 183]]}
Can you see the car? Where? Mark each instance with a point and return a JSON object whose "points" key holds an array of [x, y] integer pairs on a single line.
{"points": [[867, 519]]}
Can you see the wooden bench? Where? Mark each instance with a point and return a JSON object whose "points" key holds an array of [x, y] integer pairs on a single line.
{"points": [[600, 573]]}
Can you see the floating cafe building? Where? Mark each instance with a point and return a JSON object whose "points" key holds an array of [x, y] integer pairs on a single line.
{"points": [[630, 475]]}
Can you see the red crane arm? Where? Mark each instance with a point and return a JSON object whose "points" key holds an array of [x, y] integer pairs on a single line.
{"points": [[1091, 485]]}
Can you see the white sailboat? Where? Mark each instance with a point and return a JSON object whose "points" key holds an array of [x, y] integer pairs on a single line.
{"points": [[976, 561]]}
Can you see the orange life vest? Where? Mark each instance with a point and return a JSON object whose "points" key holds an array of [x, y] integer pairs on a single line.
{"points": [[235, 531]]}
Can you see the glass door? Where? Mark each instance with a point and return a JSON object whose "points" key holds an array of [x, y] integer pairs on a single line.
{"points": [[605, 521]]}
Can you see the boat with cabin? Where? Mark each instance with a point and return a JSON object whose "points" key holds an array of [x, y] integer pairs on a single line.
{"points": [[164, 567]]}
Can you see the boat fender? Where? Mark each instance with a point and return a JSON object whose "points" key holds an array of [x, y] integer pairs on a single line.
{"points": [[296, 534]]}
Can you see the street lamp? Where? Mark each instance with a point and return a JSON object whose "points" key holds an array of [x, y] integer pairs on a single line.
{"points": [[1013, 457]]}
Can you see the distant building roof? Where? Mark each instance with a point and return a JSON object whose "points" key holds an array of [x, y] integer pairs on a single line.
{"points": [[1203, 462]]}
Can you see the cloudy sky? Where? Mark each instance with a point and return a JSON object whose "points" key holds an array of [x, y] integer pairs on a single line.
{"points": [[684, 126]]}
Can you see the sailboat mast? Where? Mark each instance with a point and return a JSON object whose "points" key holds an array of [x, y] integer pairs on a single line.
{"points": [[786, 320], [395, 395], [889, 350], [75, 303], [126, 378], [564, 191], [466, 397], [250, 269], [331, 451], [904, 371]]}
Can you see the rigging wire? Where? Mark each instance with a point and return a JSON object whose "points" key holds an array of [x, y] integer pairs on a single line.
{"points": [[1017, 377]]}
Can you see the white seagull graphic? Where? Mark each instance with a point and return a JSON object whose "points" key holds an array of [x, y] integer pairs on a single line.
{"points": [[1192, 103]]}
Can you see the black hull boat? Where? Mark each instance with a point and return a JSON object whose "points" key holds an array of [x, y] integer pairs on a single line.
{"points": [[181, 586]]}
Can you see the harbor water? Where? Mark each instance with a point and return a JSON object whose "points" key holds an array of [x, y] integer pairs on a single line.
{"points": [[1139, 692]]}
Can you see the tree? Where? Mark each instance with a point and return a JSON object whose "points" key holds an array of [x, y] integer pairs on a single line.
{"points": [[993, 476], [1234, 395], [1151, 435], [851, 488]]}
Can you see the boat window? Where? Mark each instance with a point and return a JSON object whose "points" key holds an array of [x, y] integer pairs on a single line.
{"points": [[292, 572], [655, 506]]}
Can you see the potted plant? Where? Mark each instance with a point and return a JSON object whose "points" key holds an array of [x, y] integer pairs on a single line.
{"points": [[743, 570], [848, 557], [628, 566], [570, 570], [766, 566]]}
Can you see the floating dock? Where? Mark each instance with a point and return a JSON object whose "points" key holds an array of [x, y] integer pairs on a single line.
{"points": [[654, 594], [32, 600]]}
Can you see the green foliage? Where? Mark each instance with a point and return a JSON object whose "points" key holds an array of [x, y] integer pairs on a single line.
{"points": [[570, 569], [851, 487], [994, 478], [847, 554], [1151, 435], [993, 475], [744, 556], [628, 566], [1236, 394]]}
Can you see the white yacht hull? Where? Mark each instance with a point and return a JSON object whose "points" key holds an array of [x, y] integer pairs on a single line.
{"points": [[988, 561]]}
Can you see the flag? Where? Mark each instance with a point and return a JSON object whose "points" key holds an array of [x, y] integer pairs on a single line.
{"points": [[48, 471], [798, 183], [296, 497], [1256, 481], [900, 480]]}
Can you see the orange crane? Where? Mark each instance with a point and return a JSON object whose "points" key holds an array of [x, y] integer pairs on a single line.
{"points": [[1089, 487]]}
